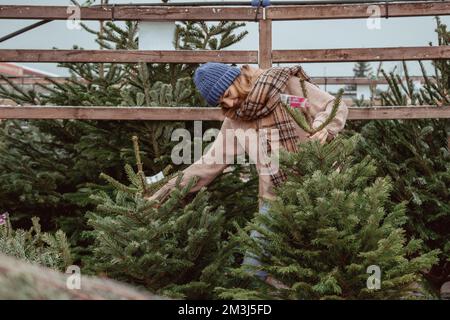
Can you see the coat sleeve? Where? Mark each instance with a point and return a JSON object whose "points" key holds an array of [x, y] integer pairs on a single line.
{"points": [[221, 153], [321, 105]]}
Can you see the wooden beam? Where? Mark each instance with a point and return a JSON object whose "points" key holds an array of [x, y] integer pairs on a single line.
{"points": [[227, 56], [182, 114], [265, 44], [239, 13], [355, 11], [361, 54], [110, 113], [362, 80], [53, 12], [129, 56], [399, 112], [205, 13], [129, 13], [318, 80]]}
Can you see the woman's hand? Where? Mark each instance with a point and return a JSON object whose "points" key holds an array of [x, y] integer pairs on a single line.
{"points": [[151, 198], [160, 196], [321, 135], [156, 201]]}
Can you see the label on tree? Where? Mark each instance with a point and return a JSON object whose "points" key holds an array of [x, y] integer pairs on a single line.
{"points": [[294, 101], [157, 177]]}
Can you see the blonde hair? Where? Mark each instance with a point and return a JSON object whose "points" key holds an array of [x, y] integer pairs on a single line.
{"points": [[243, 84], [245, 81]]}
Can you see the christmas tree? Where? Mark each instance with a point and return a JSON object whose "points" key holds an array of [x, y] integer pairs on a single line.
{"points": [[362, 69], [50, 167], [178, 248], [415, 154], [35, 246], [330, 224]]}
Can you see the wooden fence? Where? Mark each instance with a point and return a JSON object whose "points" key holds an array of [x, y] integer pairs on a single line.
{"points": [[264, 56]]}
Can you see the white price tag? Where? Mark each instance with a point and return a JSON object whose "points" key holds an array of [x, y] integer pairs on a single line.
{"points": [[153, 179]]}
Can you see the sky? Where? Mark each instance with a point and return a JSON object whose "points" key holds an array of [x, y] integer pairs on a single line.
{"points": [[316, 34]]}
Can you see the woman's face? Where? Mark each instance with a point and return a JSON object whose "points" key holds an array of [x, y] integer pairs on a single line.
{"points": [[230, 98]]}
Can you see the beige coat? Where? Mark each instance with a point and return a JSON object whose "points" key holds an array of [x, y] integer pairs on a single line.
{"points": [[320, 107]]}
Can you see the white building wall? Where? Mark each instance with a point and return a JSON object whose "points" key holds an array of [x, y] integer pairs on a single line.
{"points": [[158, 35], [363, 90]]}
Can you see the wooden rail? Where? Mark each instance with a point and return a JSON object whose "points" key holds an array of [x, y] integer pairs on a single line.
{"points": [[129, 56], [19, 80], [361, 54], [266, 55], [355, 11], [186, 114], [208, 13]]}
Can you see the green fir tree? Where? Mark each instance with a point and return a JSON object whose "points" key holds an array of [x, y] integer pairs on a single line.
{"points": [[35, 246], [50, 167], [415, 154], [362, 69], [177, 248], [330, 221]]}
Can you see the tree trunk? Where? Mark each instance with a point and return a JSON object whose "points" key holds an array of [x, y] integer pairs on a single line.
{"points": [[22, 280]]}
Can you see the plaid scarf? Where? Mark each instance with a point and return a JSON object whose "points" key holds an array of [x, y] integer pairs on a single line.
{"points": [[264, 101]]}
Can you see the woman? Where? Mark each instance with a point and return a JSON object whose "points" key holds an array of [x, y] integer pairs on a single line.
{"points": [[250, 100]]}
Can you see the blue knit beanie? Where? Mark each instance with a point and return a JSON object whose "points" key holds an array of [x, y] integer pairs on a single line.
{"points": [[213, 79]]}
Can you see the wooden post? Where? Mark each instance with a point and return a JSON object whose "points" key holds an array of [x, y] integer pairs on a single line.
{"points": [[264, 62], [265, 44], [101, 71]]}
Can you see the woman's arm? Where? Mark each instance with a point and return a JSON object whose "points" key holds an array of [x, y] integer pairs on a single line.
{"points": [[208, 167], [321, 105], [322, 109]]}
